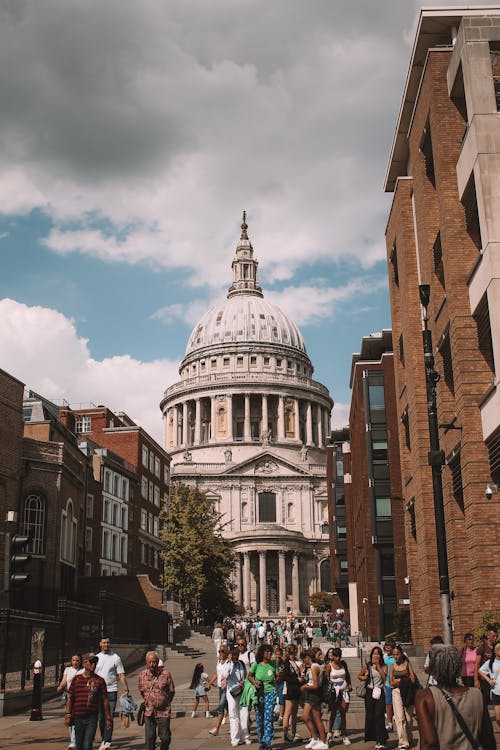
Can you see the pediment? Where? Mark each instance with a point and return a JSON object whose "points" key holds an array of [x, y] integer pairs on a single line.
{"points": [[267, 464]]}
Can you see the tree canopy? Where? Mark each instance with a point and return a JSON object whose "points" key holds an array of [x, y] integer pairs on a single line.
{"points": [[197, 559]]}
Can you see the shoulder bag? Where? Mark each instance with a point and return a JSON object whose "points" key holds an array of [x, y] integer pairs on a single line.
{"points": [[461, 721], [142, 708]]}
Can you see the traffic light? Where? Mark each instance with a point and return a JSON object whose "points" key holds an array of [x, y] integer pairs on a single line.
{"points": [[18, 559]]}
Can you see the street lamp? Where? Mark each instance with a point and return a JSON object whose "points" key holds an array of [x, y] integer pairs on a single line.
{"points": [[436, 460]]}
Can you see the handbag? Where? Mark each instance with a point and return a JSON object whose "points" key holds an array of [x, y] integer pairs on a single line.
{"points": [[141, 713], [376, 693], [361, 690], [463, 726], [236, 690]]}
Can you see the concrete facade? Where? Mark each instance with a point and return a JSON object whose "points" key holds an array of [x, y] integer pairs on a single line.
{"points": [[443, 230], [248, 426]]}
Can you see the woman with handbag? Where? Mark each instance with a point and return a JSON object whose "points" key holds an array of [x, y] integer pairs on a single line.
{"points": [[402, 678], [222, 669], [238, 715], [450, 715], [338, 682], [374, 674]]}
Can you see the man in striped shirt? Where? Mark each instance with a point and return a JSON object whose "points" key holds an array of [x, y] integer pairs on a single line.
{"points": [[87, 693]]}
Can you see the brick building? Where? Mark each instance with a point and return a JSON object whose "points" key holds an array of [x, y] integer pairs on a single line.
{"points": [[51, 506], [374, 507], [11, 439], [122, 437], [444, 230]]}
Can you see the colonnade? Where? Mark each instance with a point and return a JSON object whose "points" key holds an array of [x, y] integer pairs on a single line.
{"points": [[247, 417], [264, 578]]}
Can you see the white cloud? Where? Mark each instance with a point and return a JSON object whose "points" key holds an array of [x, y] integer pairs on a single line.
{"points": [[340, 416], [41, 347], [142, 131]]}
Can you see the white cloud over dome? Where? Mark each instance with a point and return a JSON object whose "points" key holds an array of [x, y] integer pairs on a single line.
{"points": [[42, 348]]}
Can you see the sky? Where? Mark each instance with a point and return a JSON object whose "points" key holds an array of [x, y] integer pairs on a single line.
{"points": [[132, 136]]}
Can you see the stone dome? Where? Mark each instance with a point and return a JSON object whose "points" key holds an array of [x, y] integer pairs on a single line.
{"points": [[245, 318]]}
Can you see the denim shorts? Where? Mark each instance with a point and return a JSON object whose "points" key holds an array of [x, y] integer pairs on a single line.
{"points": [[388, 695]]}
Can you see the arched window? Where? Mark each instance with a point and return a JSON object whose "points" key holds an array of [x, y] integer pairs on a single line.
{"points": [[34, 523], [267, 507], [68, 534], [324, 570]]}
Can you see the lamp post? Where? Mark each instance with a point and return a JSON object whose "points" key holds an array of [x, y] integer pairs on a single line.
{"points": [[436, 460]]}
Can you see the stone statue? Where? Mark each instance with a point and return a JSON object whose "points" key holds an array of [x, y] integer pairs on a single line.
{"points": [[228, 455], [304, 453]]}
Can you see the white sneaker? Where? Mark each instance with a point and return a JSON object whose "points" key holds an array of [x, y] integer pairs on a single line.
{"points": [[319, 745], [346, 740], [329, 737], [223, 720], [207, 715], [336, 734], [102, 745], [310, 744], [193, 714], [107, 746]]}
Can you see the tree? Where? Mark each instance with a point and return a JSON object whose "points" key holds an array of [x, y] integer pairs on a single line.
{"points": [[322, 601], [197, 559]]}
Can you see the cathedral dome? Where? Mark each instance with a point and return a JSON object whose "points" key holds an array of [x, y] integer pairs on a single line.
{"points": [[245, 318]]}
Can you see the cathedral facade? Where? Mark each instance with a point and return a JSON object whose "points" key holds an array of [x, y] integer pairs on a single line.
{"points": [[247, 425]]}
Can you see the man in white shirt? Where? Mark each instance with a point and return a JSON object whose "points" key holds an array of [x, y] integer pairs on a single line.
{"points": [[110, 668]]}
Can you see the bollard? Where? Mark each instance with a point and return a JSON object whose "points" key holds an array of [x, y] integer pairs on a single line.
{"points": [[36, 698]]}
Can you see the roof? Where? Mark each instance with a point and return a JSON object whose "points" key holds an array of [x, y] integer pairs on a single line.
{"points": [[437, 27]]}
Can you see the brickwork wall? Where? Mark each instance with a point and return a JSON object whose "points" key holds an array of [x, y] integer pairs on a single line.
{"points": [[472, 557], [11, 435]]}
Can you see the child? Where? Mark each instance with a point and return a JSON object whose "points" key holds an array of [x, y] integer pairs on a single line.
{"points": [[198, 683]]}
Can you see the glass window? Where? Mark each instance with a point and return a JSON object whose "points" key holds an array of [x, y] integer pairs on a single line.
{"points": [[157, 467], [145, 456], [377, 396], [34, 523], [83, 424], [90, 506], [267, 507], [144, 520], [144, 488], [383, 507], [341, 532], [339, 496]]}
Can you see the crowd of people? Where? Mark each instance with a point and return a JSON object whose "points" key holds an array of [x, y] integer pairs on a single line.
{"points": [[266, 668], [269, 671]]}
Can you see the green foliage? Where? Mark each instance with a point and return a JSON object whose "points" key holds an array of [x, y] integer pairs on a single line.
{"points": [[491, 617], [321, 601], [197, 559]]}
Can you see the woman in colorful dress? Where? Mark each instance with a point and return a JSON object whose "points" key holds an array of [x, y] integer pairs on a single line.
{"points": [[263, 676]]}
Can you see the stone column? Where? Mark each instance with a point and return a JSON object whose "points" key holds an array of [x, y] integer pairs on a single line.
{"points": [[246, 428], [265, 418], [213, 420], [237, 579], [320, 427], [175, 427], [230, 416], [309, 424], [327, 428], [295, 583], [282, 582], [246, 580], [262, 583], [297, 419], [184, 423], [281, 418], [197, 422]]}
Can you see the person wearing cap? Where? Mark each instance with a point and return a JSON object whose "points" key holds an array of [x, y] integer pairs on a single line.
{"points": [[86, 694], [110, 668]]}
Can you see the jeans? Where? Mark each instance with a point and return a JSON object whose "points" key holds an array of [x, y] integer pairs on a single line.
{"points": [[106, 734], [160, 725], [85, 729]]}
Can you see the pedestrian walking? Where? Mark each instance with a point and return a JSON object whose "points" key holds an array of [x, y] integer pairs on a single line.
{"points": [[402, 679], [374, 674], [110, 668], [87, 696], [468, 656], [450, 715], [157, 688], [484, 652], [292, 678], [219, 677], [338, 681], [312, 694], [490, 674], [63, 687], [238, 715], [263, 676], [198, 684]]}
